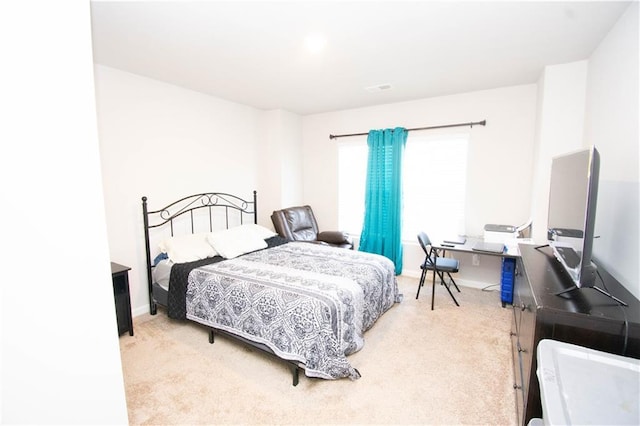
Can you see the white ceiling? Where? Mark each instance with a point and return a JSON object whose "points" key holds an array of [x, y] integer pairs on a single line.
{"points": [[254, 52]]}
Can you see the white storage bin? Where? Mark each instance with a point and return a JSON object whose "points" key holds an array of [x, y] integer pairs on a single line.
{"points": [[582, 386]]}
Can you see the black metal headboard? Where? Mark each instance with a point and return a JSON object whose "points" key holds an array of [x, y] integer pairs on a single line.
{"points": [[215, 205]]}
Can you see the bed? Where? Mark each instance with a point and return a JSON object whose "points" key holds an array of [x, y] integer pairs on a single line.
{"points": [[209, 262]]}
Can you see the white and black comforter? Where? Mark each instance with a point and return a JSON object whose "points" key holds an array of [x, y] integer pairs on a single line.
{"points": [[309, 303]]}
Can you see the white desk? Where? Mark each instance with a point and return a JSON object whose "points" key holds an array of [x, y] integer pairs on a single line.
{"points": [[511, 251], [511, 248]]}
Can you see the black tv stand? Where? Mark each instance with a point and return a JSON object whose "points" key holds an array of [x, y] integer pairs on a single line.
{"points": [[606, 293], [561, 292], [586, 318]]}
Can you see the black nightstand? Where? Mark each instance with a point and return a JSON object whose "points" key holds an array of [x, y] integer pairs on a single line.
{"points": [[120, 277]]}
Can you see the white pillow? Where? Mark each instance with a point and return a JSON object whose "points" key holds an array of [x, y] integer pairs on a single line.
{"points": [[187, 248], [236, 241], [258, 230]]}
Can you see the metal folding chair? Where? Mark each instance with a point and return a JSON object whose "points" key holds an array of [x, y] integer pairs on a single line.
{"points": [[439, 265]]}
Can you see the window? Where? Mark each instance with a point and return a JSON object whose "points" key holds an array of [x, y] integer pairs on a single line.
{"points": [[352, 177], [434, 185]]}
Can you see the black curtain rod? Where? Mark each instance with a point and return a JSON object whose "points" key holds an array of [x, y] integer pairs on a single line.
{"points": [[471, 124]]}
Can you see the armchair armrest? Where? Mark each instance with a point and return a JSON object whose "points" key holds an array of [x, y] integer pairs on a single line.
{"points": [[335, 237]]}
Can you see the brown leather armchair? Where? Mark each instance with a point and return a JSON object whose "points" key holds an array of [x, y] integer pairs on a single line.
{"points": [[299, 224]]}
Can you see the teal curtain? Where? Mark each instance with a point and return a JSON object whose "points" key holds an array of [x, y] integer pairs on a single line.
{"points": [[381, 230]]}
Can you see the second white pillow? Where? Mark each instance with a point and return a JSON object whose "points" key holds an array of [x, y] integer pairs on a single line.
{"points": [[237, 241]]}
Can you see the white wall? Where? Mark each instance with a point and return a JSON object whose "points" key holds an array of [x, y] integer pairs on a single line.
{"points": [[611, 123], [281, 168], [165, 142], [560, 122], [60, 352], [147, 126], [596, 102], [500, 158]]}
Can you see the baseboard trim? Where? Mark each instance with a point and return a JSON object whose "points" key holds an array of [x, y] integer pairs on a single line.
{"points": [[480, 285], [142, 310]]}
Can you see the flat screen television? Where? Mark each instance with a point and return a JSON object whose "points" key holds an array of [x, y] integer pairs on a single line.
{"points": [[573, 195]]}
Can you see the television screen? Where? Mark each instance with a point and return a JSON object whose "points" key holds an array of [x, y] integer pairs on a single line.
{"points": [[572, 207]]}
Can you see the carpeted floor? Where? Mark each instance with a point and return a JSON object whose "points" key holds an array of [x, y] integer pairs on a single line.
{"points": [[447, 366]]}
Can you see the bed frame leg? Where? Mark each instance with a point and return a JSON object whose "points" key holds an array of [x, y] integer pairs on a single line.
{"points": [[296, 375], [153, 308], [211, 337]]}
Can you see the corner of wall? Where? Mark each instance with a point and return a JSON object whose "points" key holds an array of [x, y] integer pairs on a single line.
{"points": [[282, 155], [559, 128]]}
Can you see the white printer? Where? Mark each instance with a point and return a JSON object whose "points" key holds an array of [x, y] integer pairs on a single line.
{"points": [[499, 233], [506, 233]]}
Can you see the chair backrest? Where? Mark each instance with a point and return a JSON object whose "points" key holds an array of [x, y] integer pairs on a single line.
{"points": [[296, 223], [425, 243]]}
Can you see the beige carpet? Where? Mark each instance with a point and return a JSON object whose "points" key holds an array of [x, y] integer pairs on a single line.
{"points": [[447, 366]]}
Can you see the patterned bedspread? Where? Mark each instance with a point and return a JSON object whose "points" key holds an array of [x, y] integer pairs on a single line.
{"points": [[309, 303]]}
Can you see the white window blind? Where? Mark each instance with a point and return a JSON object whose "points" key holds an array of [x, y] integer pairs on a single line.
{"points": [[434, 181], [434, 185], [352, 176]]}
